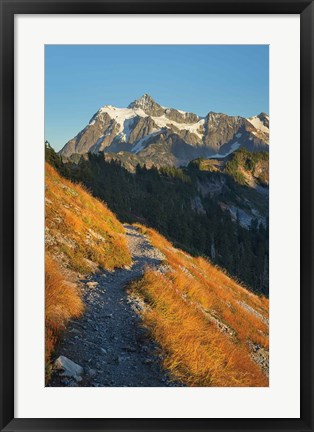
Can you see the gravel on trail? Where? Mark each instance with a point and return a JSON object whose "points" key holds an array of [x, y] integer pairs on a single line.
{"points": [[109, 342]]}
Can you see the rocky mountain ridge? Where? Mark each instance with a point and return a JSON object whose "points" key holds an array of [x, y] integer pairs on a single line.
{"points": [[167, 136]]}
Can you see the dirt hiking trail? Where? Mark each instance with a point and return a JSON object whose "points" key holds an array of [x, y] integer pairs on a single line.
{"points": [[108, 342]]}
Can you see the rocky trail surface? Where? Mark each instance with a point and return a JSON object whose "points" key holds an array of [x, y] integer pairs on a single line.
{"points": [[108, 346]]}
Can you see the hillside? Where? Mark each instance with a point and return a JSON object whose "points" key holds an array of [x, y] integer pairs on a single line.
{"points": [[80, 230], [246, 168], [140, 312], [166, 320], [212, 331], [81, 236], [205, 212], [148, 132]]}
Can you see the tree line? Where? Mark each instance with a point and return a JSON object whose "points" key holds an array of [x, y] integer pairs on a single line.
{"points": [[161, 199]]}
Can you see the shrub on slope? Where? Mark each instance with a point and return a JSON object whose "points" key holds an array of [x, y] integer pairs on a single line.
{"points": [[204, 321]]}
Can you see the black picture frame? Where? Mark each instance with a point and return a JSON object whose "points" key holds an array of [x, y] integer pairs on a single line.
{"points": [[8, 9]]}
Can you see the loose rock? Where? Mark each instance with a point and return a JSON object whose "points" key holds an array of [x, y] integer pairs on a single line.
{"points": [[92, 284], [69, 368]]}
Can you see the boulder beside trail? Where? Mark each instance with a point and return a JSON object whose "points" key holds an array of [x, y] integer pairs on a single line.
{"points": [[69, 368]]}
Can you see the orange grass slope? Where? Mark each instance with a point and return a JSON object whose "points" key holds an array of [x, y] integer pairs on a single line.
{"points": [[62, 302], [213, 332], [81, 231], [81, 234]]}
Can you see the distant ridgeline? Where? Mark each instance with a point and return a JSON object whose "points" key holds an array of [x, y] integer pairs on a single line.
{"points": [[146, 132], [217, 208]]}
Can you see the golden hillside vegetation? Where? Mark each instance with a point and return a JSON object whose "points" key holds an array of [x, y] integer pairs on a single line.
{"points": [[81, 234], [80, 230], [62, 302], [212, 331]]}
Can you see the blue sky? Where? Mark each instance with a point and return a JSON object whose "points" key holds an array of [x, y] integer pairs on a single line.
{"points": [[79, 79]]}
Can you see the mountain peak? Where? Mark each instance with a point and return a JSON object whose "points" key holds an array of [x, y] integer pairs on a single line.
{"points": [[263, 116], [147, 104], [260, 122]]}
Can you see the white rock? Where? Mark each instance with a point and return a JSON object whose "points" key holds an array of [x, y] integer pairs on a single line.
{"points": [[92, 284], [69, 368]]}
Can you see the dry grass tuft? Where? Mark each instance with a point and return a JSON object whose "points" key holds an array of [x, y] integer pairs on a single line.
{"points": [[62, 302]]}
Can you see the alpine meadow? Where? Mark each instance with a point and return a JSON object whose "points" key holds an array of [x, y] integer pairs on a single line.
{"points": [[156, 216]]}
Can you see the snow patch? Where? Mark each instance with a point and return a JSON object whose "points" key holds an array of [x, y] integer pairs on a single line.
{"points": [[258, 124], [99, 141], [124, 117], [97, 146], [140, 145], [120, 115], [163, 121], [124, 135], [234, 146]]}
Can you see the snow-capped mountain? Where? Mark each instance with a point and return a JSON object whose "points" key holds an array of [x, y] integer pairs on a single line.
{"points": [[148, 131]]}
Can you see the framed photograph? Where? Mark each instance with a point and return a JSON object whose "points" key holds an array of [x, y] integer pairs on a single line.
{"points": [[156, 215]]}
